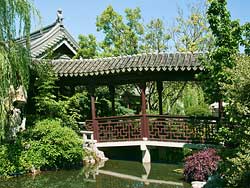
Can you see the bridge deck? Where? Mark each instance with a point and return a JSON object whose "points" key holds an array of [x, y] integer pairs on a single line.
{"points": [[139, 143]]}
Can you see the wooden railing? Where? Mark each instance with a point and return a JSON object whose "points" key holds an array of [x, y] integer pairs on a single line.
{"points": [[155, 128]]}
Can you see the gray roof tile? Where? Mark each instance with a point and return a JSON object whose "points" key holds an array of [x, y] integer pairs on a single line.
{"points": [[152, 62]]}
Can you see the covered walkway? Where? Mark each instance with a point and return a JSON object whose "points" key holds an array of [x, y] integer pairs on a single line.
{"points": [[138, 69]]}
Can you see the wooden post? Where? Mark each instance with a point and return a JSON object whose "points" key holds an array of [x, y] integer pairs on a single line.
{"points": [[144, 122], [220, 109], [91, 91], [72, 90], [159, 90], [112, 96]]}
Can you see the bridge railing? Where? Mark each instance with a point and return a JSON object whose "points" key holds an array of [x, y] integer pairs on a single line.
{"points": [[155, 128]]}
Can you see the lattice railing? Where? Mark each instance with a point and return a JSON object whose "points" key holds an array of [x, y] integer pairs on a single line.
{"points": [[125, 128], [182, 129], [160, 128]]}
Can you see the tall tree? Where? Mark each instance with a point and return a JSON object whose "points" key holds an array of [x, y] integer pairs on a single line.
{"points": [[191, 33], [227, 35], [236, 171], [156, 36], [88, 47], [246, 38], [121, 38], [154, 40]]}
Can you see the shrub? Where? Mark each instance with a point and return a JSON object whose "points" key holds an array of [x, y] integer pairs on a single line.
{"points": [[52, 146], [198, 110], [10, 158], [201, 165], [6, 166]]}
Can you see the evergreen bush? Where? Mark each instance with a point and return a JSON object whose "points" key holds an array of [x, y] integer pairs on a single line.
{"points": [[52, 146]]}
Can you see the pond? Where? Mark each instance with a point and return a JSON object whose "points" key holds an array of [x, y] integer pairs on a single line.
{"points": [[114, 174]]}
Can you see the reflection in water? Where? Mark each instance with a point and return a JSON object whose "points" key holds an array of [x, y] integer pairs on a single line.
{"points": [[114, 174]]}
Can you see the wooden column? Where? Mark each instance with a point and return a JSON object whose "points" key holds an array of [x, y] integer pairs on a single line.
{"points": [[159, 90], [91, 91], [72, 90], [112, 97], [220, 111], [144, 121]]}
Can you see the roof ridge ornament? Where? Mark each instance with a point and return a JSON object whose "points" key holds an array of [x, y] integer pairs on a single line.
{"points": [[59, 17]]}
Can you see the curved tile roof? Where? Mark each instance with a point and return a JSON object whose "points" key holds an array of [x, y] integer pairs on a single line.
{"points": [[151, 62], [48, 38]]}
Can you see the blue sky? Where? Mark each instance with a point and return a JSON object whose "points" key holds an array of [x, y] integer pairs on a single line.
{"points": [[80, 15]]}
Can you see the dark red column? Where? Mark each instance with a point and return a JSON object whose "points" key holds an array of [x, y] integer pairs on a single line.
{"points": [[159, 90], [112, 97], [93, 113], [220, 109], [144, 121]]}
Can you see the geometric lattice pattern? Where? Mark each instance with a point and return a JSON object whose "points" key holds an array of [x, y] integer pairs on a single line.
{"points": [[182, 129], [124, 129], [160, 128]]}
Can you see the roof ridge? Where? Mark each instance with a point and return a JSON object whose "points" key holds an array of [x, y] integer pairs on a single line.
{"points": [[142, 54]]}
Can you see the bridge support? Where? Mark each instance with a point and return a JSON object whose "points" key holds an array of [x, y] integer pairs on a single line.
{"points": [[146, 158]]}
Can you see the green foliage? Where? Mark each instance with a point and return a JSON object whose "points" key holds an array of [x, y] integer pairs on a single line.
{"points": [[47, 102], [238, 90], [227, 35], [104, 104], [184, 99], [48, 145], [236, 168], [121, 38], [228, 78], [52, 146], [15, 19], [156, 37], [14, 59], [246, 38], [9, 159], [199, 110], [88, 47], [191, 33], [127, 35], [45, 97]]}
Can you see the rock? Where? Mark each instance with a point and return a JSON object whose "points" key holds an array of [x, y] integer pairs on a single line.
{"points": [[198, 184]]}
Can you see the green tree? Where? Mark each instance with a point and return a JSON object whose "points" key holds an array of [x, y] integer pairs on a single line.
{"points": [[246, 38], [227, 36], [156, 36], [14, 59], [227, 78], [154, 40], [121, 38], [191, 33], [236, 167], [88, 47]]}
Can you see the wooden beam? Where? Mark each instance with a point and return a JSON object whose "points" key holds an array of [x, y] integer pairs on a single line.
{"points": [[130, 78]]}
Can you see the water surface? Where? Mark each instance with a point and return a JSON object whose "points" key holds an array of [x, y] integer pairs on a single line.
{"points": [[114, 174]]}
